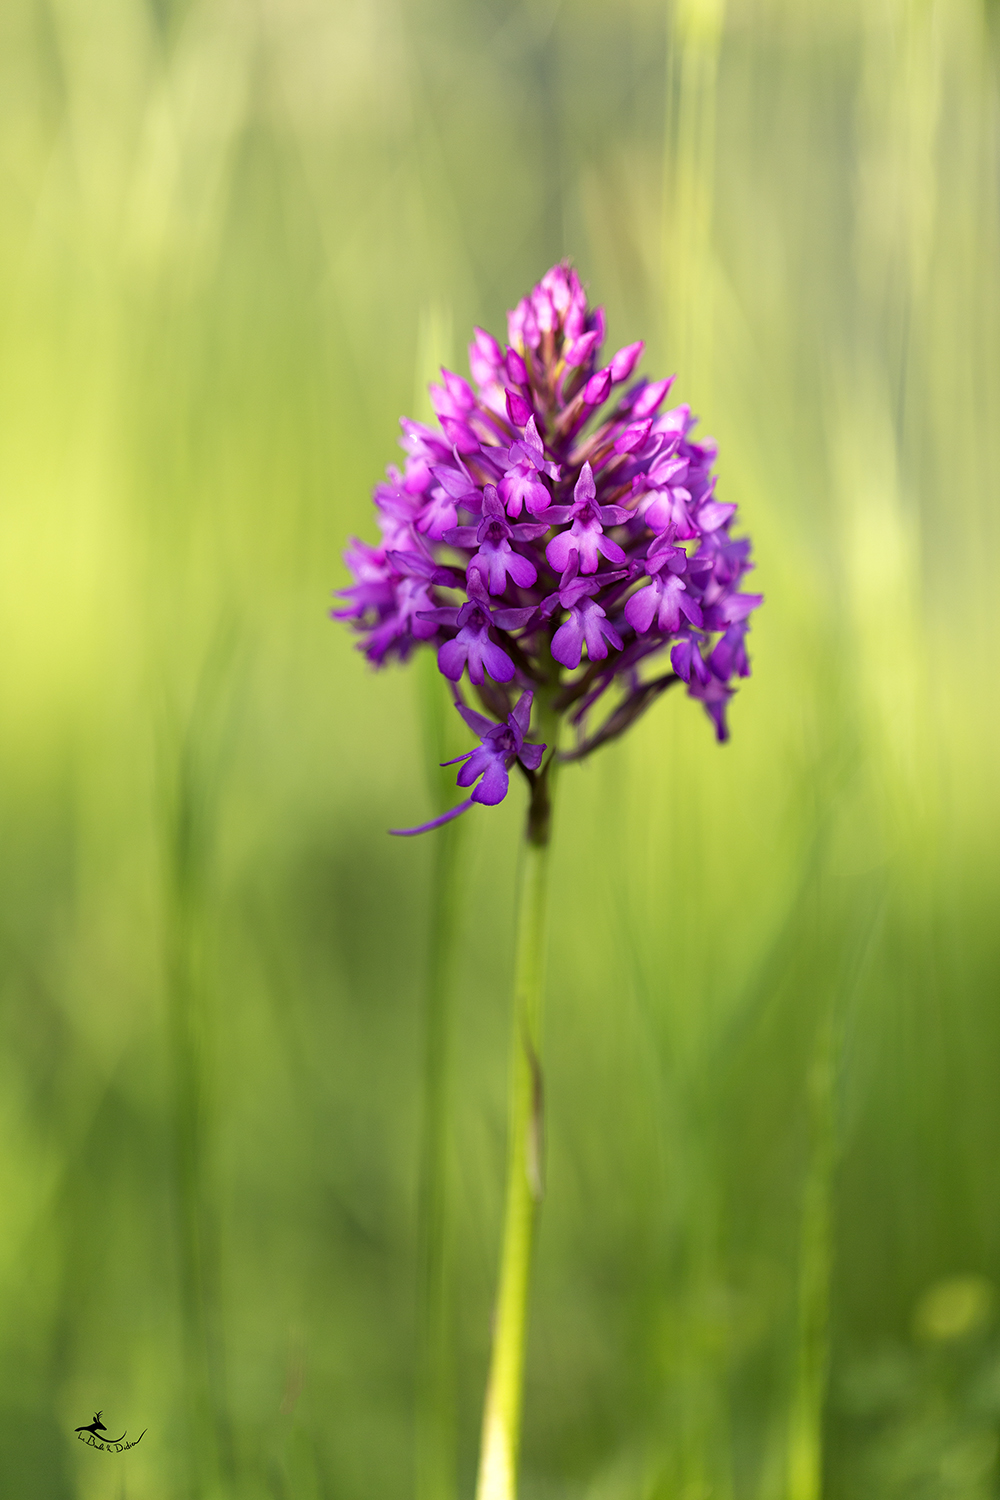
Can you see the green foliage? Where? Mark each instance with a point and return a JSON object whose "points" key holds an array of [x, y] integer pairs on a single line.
{"points": [[229, 234]]}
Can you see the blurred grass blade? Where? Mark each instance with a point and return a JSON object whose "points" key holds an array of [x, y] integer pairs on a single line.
{"points": [[696, 30], [436, 1396], [191, 821]]}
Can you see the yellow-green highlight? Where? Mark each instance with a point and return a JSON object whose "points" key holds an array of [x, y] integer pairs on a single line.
{"points": [[229, 234]]}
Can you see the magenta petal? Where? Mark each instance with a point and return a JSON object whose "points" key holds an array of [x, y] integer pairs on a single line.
{"points": [[478, 723], [477, 671], [491, 565], [559, 551], [459, 435], [523, 487], [712, 514], [687, 660], [531, 756], [522, 710], [536, 496], [455, 481], [633, 436], [488, 347], [611, 549], [517, 409], [625, 361], [611, 635], [517, 370], [512, 493], [520, 569], [567, 643], [588, 542], [691, 608], [513, 619], [585, 488], [680, 656], [579, 350], [422, 629], [498, 663], [650, 396], [407, 833], [533, 442], [597, 388], [640, 609], [699, 667], [479, 761], [596, 648], [738, 606], [493, 787], [446, 615], [451, 659]]}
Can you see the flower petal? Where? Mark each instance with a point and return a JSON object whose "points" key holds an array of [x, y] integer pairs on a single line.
{"points": [[493, 787], [407, 833], [498, 663]]}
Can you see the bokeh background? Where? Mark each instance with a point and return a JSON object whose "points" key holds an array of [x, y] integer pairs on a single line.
{"points": [[236, 239]]}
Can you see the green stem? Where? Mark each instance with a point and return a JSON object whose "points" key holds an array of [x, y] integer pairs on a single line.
{"points": [[435, 1396], [504, 1391], [435, 1468]]}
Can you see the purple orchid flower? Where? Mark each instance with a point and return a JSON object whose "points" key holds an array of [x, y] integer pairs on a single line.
{"points": [[730, 655], [587, 622], [714, 694], [585, 539], [501, 745], [525, 463], [496, 559], [475, 643], [687, 661], [557, 527], [666, 597]]}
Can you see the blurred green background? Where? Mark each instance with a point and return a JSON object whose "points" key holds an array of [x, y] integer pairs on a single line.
{"points": [[236, 238]]}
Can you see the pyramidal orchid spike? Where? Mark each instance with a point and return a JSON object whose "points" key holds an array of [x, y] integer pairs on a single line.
{"points": [[550, 532]]}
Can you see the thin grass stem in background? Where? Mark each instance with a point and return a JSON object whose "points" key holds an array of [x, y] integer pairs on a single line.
{"points": [[435, 1372], [805, 1434], [191, 818], [435, 1366], [694, 42], [501, 1436], [435, 1405], [850, 944], [695, 1440], [197, 1231]]}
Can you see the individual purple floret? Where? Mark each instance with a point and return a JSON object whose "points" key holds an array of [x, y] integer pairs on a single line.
{"points": [[501, 746], [553, 534]]}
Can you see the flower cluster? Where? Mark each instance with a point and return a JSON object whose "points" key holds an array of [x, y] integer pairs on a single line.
{"points": [[555, 531]]}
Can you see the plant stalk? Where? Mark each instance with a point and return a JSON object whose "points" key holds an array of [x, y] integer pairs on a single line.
{"points": [[435, 1365], [435, 1460], [525, 1166]]}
